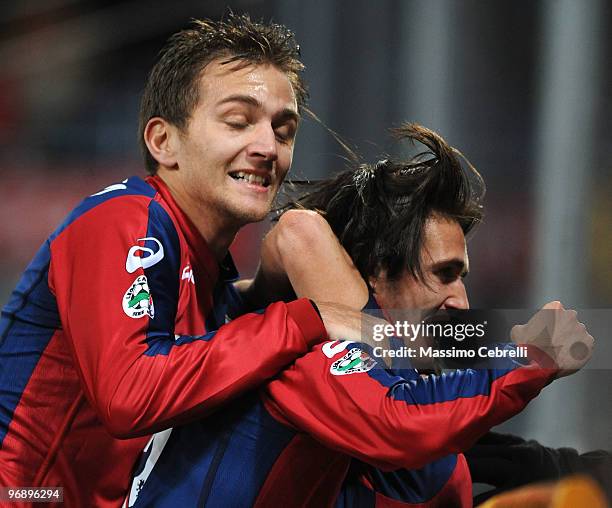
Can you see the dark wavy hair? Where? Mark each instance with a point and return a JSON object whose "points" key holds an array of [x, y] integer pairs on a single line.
{"points": [[378, 211], [172, 90]]}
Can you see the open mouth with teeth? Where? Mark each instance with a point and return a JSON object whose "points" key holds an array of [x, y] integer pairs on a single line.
{"points": [[243, 176]]}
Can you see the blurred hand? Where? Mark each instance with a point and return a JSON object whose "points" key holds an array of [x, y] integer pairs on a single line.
{"points": [[558, 333], [506, 461]]}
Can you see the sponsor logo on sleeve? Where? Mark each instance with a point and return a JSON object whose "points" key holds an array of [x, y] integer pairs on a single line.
{"points": [[111, 188], [188, 274], [134, 261], [137, 301], [332, 348], [353, 362]]}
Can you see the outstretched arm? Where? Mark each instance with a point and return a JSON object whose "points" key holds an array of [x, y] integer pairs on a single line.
{"points": [[353, 405]]}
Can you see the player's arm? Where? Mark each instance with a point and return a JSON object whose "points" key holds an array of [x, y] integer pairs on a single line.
{"points": [[137, 371], [302, 256], [506, 461], [392, 423], [382, 419]]}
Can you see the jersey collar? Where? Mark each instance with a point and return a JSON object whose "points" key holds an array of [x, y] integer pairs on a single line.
{"points": [[197, 243]]}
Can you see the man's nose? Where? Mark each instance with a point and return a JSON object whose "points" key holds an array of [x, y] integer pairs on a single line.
{"points": [[457, 297], [263, 146]]}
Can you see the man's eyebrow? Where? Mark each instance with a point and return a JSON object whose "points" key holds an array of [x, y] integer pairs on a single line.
{"points": [[245, 99], [289, 114], [457, 264], [249, 100]]}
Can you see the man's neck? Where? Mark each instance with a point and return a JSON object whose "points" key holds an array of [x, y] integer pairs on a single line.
{"points": [[218, 233]]}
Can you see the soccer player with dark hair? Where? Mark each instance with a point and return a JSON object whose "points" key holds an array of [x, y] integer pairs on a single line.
{"points": [[117, 328], [294, 442]]}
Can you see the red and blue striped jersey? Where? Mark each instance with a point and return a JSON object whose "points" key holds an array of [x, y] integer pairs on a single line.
{"points": [[293, 443], [107, 339]]}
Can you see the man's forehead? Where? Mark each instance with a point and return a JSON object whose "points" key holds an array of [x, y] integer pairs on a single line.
{"points": [[225, 66], [443, 241], [221, 79]]}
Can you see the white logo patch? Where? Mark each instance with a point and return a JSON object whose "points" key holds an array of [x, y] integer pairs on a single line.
{"points": [[134, 262], [353, 362], [137, 301], [331, 349], [111, 188], [188, 274]]}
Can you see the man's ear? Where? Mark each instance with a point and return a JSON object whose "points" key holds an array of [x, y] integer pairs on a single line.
{"points": [[372, 280], [162, 138]]}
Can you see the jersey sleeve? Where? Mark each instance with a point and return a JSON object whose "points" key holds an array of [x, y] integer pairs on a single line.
{"points": [[339, 395], [119, 312]]}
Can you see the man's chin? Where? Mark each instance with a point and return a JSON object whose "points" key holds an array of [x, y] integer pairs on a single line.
{"points": [[249, 215], [246, 208]]}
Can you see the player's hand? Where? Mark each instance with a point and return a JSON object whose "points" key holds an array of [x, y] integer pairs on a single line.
{"points": [[506, 461], [345, 323], [558, 333]]}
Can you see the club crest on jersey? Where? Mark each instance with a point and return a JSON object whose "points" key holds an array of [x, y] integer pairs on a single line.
{"points": [[353, 362], [137, 301]]}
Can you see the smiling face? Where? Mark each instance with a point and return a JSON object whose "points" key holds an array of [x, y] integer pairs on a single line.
{"points": [[229, 161], [444, 263]]}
